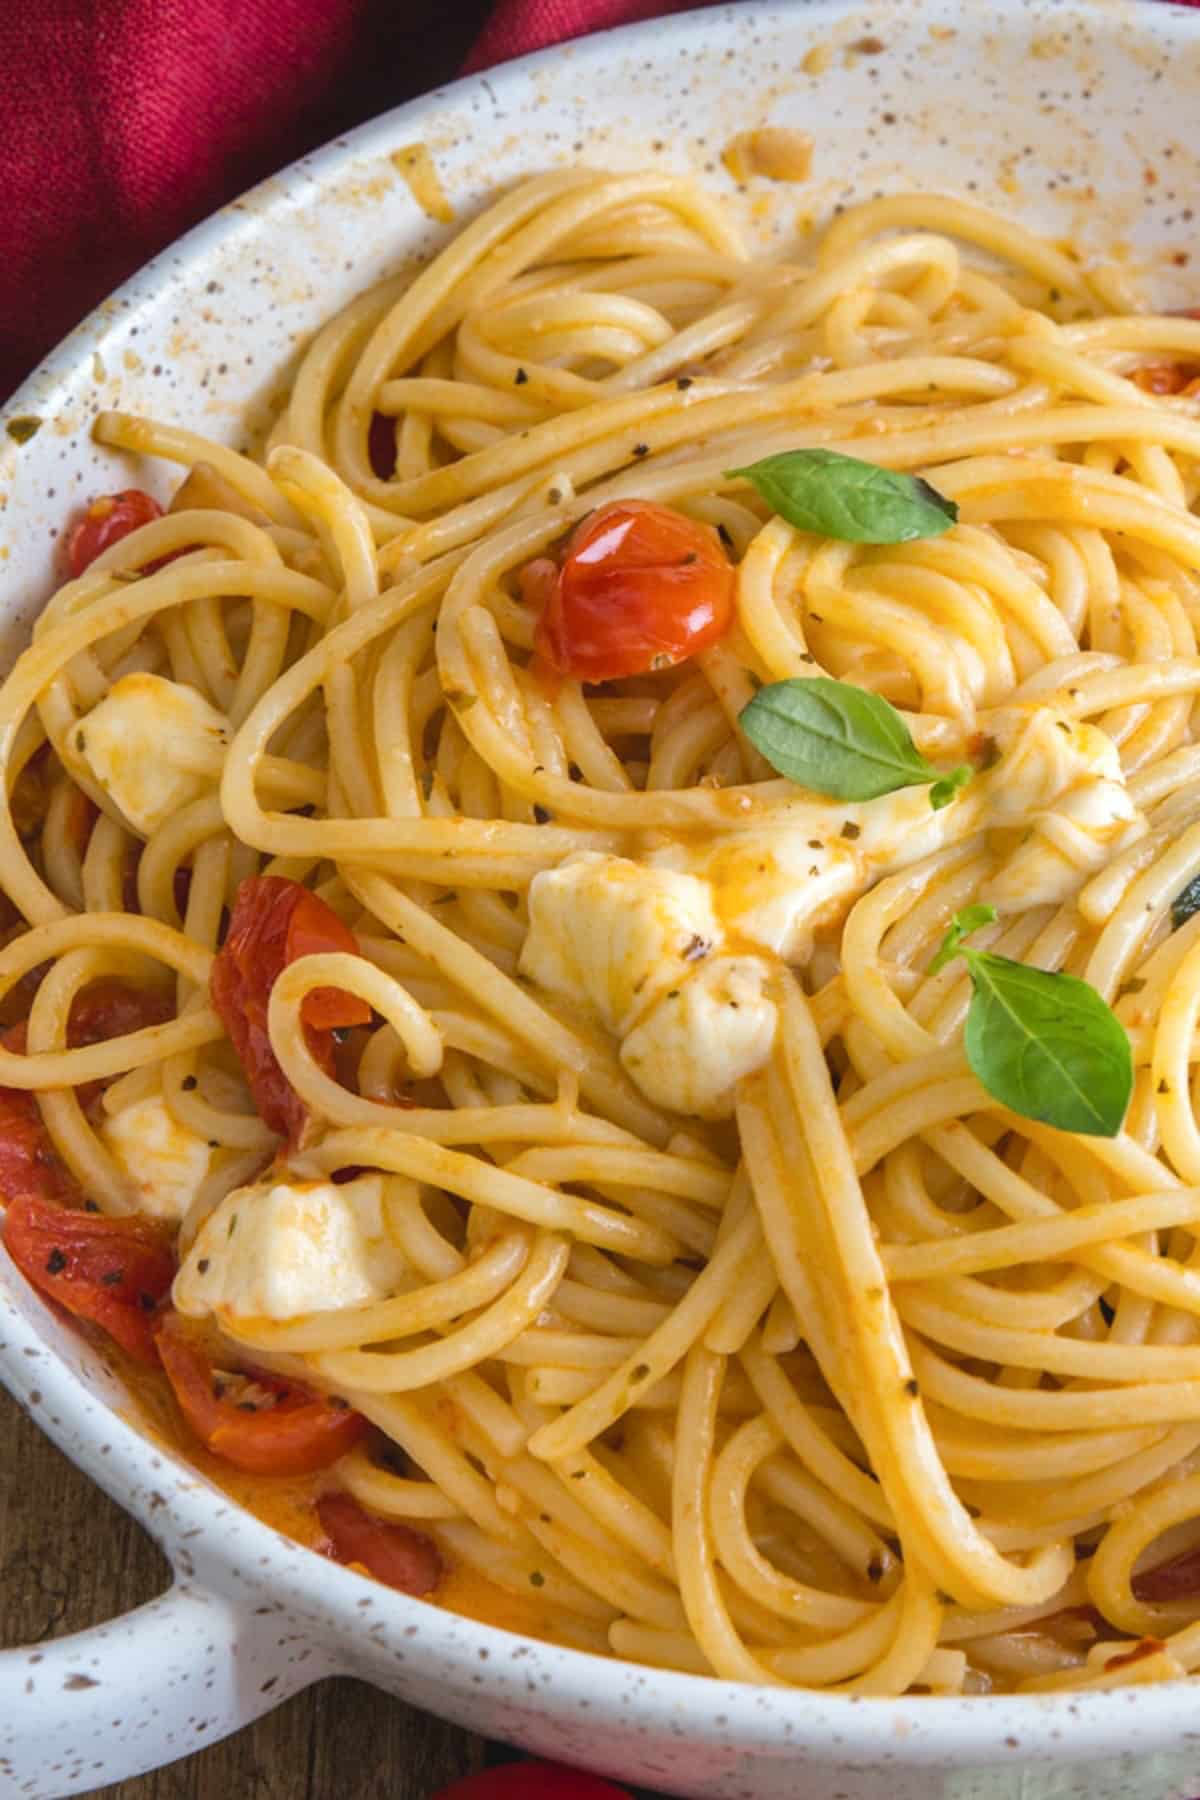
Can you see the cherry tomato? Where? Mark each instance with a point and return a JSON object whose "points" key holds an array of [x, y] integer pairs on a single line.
{"points": [[1164, 377], [1178, 1579], [532, 1781], [108, 1008], [106, 521], [381, 446], [392, 1553], [30, 1167], [274, 922], [640, 587], [29, 1164], [111, 1271], [257, 1421]]}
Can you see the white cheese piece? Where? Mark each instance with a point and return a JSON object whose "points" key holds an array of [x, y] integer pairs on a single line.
{"points": [[616, 932], [154, 746], [1043, 754], [773, 886], [282, 1250], [699, 1039], [162, 1160]]}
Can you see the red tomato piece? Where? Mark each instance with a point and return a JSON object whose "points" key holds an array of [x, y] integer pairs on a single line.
{"points": [[106, 521], [1164, 377], [108, 1008], [111, 1271], [274, 922], [392, 1553], [381, 446], [1178, 1579], [641, 587], [532, 1781], [29, 1164], [30, 1167], [252, 1419]]}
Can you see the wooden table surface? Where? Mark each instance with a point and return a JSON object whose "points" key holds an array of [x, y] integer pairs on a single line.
{"points": [[69, 1558]]}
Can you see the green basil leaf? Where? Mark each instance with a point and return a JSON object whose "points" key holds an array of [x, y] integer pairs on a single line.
{"points": [[842, 497], [1044, 1045], [1185, 903], [964, 922], [837, 739]]}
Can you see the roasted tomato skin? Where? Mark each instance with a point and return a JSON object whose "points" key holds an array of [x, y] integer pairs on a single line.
{"points": [[391, 1552], [532, 1781], [1165, 377], [29, 1164], [106, 521], [274, 922], [113, 1272], [640, 587], [294, 1431], [1178, 1579]]}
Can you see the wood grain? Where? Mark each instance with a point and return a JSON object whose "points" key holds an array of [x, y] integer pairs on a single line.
{"points": [[69, 1558]]}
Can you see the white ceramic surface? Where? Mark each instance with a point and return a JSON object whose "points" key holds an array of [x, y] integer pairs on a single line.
{"points": [[1079, 115]]}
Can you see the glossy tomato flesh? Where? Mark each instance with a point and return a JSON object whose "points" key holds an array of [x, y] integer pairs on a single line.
{"points": [[274, 922], [532, 1781], [106, 521], [391, 1552], [252, 1419], [29, 1163], [111, 1271], [641, 587]]}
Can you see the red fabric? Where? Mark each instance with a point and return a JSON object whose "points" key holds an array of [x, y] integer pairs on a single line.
{"points": [[519, 26], [125, 121]]}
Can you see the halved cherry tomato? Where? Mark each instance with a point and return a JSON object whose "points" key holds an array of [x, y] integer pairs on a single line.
{"points": [[255, 1420], [29, 1163], [274, 922], [641, 587], [111, 1271], [1178, 1579], [30, 1167], [1164, 377], [392, 1553], [532, 1781], [381, 446], [106, 521]]}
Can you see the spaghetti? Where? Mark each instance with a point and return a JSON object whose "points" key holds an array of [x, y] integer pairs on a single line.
{"points": [[625, 1219]]}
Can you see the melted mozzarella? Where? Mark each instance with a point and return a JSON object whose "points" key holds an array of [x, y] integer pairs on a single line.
{"points": [[1065, 783], [617, 932], [162, 1160], [154, 746], [698, 1040], [281, 1250], [771, 887]]}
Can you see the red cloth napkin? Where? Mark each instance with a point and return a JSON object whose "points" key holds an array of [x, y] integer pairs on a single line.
{"points": [[519, 26]]}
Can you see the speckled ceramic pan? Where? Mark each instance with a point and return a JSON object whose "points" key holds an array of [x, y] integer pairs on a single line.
{"points": [[1081, 116]]}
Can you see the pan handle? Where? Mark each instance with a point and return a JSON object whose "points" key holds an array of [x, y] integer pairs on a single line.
{"points": [[78, 1713]]}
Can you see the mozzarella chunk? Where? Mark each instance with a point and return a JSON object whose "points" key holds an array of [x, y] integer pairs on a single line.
{"points": [[154, 746], [282, 1250], [698, 1040], [1086, 829], [617, 932], [773, 886], [162, 1160], [1043, 755]]}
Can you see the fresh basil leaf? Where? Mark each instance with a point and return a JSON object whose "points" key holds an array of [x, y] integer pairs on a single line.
{"points": [[841, 740], [964, 922], [1185, 903], [1044, 1045], [842, 497]]}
